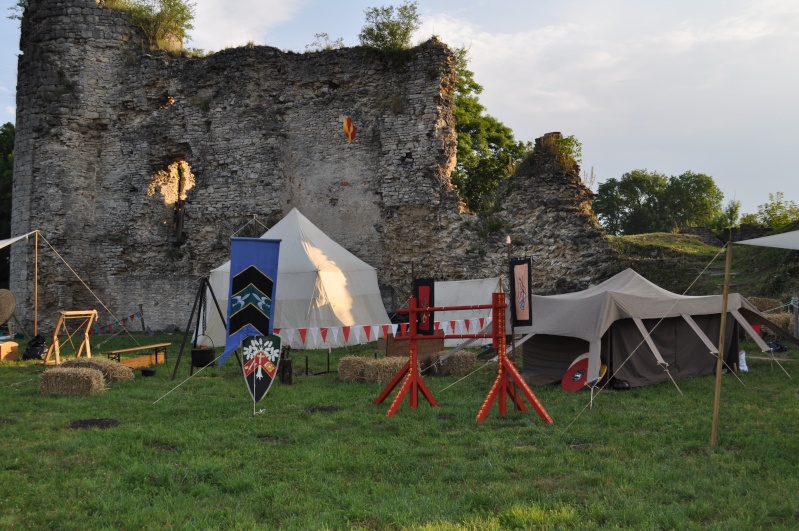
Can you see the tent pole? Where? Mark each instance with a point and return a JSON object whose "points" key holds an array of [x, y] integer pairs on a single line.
{"points": [[722, 334], [36, 286]]}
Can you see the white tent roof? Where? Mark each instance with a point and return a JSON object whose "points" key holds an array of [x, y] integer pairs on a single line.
{"points": [[319, 283], [786, 240]]}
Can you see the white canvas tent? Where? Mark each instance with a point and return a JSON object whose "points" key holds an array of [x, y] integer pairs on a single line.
{"points": [[611, 320], [319, 285]]}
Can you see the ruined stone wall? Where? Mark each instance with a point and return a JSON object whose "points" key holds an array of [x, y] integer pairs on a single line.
{"points": [[98, 113]]}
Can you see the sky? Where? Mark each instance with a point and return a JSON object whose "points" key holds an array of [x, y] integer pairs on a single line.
{"points": [[708, 86]]}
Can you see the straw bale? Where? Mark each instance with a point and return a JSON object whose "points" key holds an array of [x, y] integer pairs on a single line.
{"points": [[71, 381], [458, 363], [350, 368], [764, 304], [784, 320], [113, 371], [382, 370]]}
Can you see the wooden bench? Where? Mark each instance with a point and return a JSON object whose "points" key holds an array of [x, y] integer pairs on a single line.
{"points": [[141, 361]]}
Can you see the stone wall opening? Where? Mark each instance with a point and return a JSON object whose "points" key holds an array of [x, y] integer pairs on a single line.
{"points": [[173, 183]]}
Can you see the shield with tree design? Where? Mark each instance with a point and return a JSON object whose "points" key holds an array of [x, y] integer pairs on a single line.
{"points": [[261, 358]]}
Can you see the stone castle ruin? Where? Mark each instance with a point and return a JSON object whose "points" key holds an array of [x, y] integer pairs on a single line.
{"points": [[139, 165]]}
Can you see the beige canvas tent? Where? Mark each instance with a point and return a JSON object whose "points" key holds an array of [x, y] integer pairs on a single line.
{"points": [[319, 285], [642, 332]]}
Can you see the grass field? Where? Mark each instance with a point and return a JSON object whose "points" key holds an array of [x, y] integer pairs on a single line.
{"points": [[192, 454]]}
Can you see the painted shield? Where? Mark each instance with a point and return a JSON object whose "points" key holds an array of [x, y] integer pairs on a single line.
{"points": [[577, 376], [261, 358]]}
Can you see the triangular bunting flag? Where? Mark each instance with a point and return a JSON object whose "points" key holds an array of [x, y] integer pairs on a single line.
{"points": [[324, 334], [376, 331], [335, 335], [460, 327], [466, 322], [404, 329], [437, 325], [276, 330], [290, 335], [357, 330], [394, 330], [367, 330], [303, 332], [452, 325], [385, 330], [346, 331], [482, 323], [315, 334]]}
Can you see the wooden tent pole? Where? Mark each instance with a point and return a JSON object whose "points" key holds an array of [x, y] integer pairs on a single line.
{"points": [[722, 334], [36, 286]]}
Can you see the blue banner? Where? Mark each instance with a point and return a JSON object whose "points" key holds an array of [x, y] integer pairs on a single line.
{"points": [[253, 282]]}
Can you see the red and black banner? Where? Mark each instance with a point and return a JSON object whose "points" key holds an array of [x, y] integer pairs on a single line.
{"points": [[521, 277], [423, 292]]}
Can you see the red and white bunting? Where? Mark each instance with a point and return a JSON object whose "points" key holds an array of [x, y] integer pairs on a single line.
{"points": [[482, 323], [335, 335], [394, 329], [452, 325], [315, 334], [357, 330], [437, 325], [404, 329], [290, 335], [467, 322], [276, 331], [346, 331], [385, 330], [303, 332], [376, 331], [367, 330], [324, 334]]}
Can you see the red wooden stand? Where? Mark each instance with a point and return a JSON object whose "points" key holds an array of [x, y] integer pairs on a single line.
{"points": [[508, 378], [410, 371]]}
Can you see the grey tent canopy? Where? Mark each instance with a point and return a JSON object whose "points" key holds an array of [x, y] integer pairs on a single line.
{"points": [[637, 328]]}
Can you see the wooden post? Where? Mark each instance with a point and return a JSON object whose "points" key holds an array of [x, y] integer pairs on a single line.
{"points": [[36, 285], [795, 305], [722, 334]]}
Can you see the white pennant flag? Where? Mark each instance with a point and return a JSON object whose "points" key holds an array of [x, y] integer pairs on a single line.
{"points": [[394, 329], [375, 332], [473, 322], [290, 335], [357, 330], [335, 335], [315, 334], [460, 327]]}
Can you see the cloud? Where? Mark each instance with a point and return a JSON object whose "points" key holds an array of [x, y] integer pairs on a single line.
{"points": [[10, 111], [219, 24]]}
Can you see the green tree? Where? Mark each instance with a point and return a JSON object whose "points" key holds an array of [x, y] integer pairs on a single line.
{"points": [[633, 204], [387, 29], [487, 151], [728, 218], [750, 219], [7, 134], [165, 22], [778, 212], [322, 41], [692, 200]]}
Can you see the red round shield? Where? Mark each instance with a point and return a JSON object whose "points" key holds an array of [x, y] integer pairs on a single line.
{"points": [[576, 376]]}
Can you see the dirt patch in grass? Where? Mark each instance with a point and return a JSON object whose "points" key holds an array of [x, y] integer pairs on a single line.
{"points": [[446, 416], [93, 423], [323, 409], [272, 440], [163, 447]]}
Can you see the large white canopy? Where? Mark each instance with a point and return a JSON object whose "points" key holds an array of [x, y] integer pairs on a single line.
{"points": [[319, 284], [786, 240]]}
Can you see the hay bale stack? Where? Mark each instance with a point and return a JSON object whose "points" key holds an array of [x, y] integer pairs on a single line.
{"points": [[71, 381], [784, 320], [458, 363], [369, 370], [764, 304], [382, 370], [350, 368], [112, 371]]}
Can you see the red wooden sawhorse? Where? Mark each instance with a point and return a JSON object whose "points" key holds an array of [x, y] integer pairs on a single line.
{"points": [[508, 378]]}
